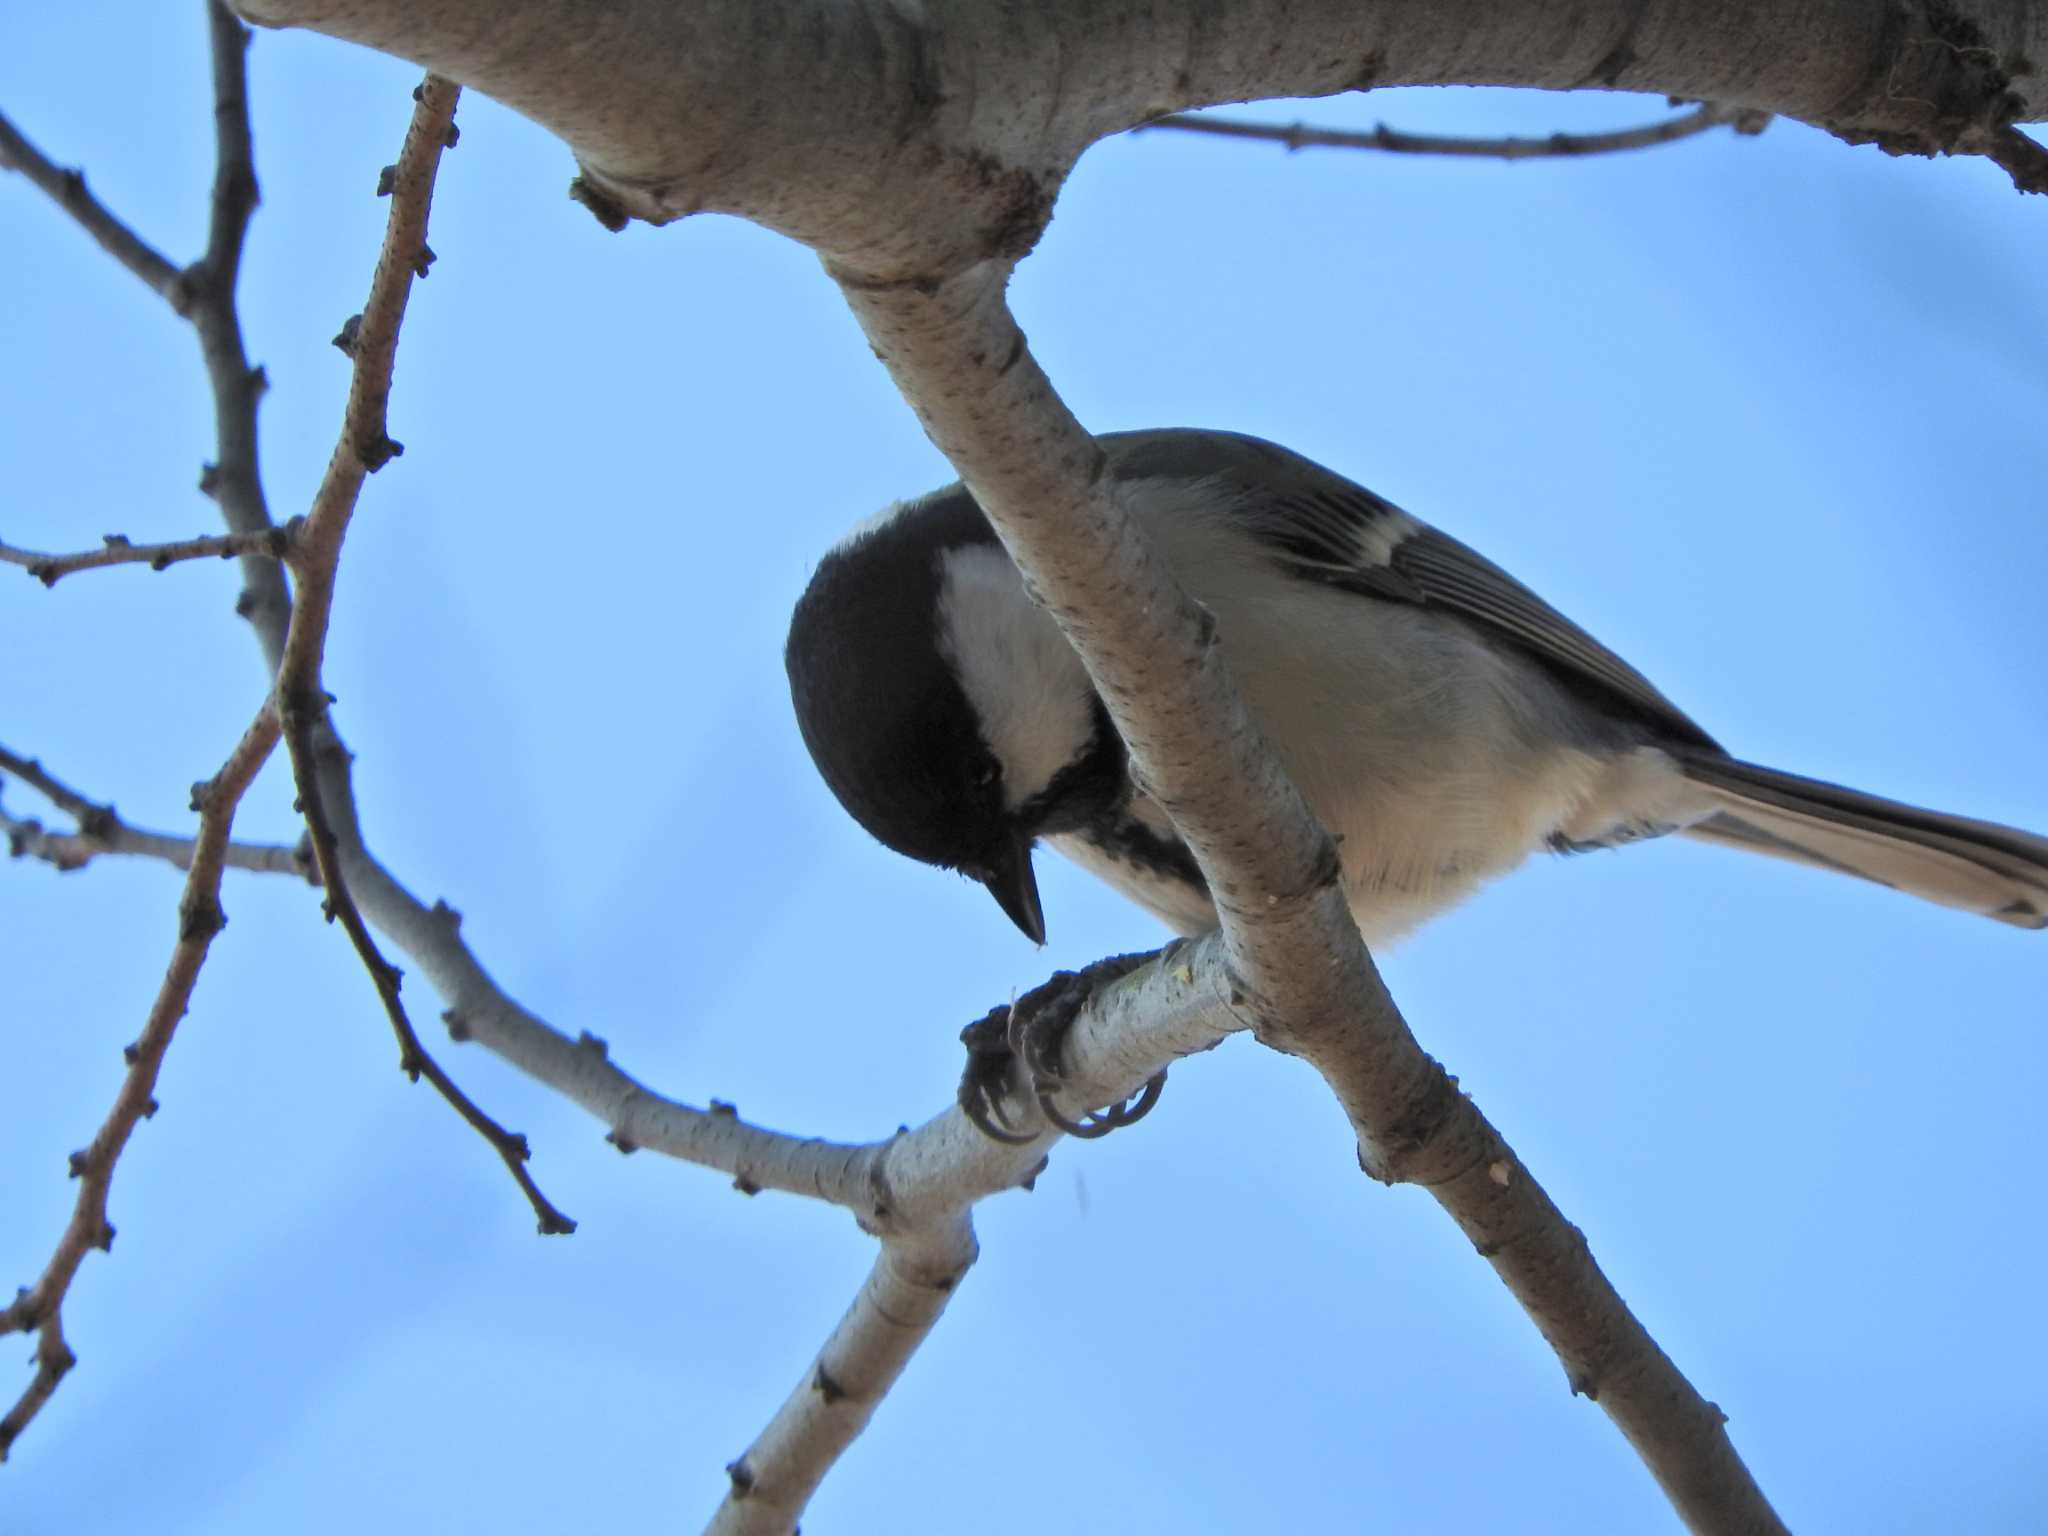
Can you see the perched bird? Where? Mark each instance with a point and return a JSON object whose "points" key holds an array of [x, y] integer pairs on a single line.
{"points": [[1440, 718]]}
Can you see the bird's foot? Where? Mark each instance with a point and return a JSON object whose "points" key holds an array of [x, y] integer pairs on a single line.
{"points": [[1030, 1032]]}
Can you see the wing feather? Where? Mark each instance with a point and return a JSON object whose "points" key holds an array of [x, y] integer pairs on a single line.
{"points": [[1326, 529]]}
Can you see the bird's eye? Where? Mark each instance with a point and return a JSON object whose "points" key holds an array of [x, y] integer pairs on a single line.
{"points": [[987, 774]]}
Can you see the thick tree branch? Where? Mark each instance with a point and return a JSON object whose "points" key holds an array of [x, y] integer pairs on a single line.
{"points": [[1394, 141], [39, 1308], [1305, 977], [100, 831], [117, 549], [907, 141], [919, 146]]}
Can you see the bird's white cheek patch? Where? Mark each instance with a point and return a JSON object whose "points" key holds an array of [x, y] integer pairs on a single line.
{"points": [[1028, 688]]}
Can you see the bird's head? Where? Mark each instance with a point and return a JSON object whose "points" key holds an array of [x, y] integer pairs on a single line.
{"points": [[941, 705]]}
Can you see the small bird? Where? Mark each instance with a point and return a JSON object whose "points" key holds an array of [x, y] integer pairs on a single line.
{"points": [[1440, 718]]}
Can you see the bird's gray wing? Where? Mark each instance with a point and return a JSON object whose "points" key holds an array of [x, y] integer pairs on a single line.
{"points": [[1325, 529]]}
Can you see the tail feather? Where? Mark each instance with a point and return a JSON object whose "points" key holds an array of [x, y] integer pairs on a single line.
{"points": [[1979, 866]]}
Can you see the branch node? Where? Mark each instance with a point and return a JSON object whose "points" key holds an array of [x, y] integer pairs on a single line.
{"points": [[742, 1477], [458, 1026], [387, 181], [825, 1386], [374, 455], [595, 1044], [603, 207], [199, 919], [625, 1147], [345, 338], [745, 1185]]}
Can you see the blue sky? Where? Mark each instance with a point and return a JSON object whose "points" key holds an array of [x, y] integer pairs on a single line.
{"points": [[1764, 414]]}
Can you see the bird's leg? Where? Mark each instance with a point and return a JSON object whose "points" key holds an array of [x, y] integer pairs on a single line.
{"points": [[1031, 1031]]}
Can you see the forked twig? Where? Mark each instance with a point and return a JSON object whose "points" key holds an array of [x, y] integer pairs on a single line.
{"points": [[364, 448], [100, 830]]}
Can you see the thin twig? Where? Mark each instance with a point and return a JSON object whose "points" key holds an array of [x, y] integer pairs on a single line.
{"points": [[101, 831], [204, 293], [364, 448], [68, 190], [1555, 146], [118, 549], [39, 1308], [234, 479]]}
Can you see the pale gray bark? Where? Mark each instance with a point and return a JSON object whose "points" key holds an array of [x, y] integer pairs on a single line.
{"points": [[919, 150], [905, 139]]}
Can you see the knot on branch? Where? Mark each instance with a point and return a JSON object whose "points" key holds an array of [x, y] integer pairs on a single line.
{"points": [[373, 453], [1413, 1149], [604, 208], [1939, 87], [199, 920]]}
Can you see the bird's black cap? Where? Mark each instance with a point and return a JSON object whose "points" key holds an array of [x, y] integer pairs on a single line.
{"points": [[883, 714]]}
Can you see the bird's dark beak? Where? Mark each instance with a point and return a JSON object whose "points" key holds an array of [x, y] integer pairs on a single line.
{"points": [[1015, 887]]}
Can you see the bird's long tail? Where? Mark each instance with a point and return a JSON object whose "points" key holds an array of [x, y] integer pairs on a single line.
{"points": [[1978, 866]]}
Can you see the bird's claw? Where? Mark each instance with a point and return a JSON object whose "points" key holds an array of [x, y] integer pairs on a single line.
{"points": [[987, 1074], [1030, 1032]]}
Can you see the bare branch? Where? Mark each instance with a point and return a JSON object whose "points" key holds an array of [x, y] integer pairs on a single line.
{"points": [[301, 701], [912, 180], [205, 294], [68, 190], [100, 831], [234, 479], [956, 353], [1555, 146], [39, 1308], [88, 813], [895, 1311], [117, 549]]}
